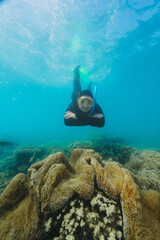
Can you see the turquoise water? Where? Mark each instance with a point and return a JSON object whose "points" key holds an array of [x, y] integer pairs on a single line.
{"points": [[42, 41]]}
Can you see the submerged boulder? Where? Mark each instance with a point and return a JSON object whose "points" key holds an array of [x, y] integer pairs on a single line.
{"points": [[5, 144], [28, 155], [85, 198]]}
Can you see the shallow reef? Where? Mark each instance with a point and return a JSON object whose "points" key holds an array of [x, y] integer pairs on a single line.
{"points": [[146, 167], [82, 197], [16, 159]]}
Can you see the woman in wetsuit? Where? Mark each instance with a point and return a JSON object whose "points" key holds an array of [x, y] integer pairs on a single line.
{"points": [[83, 110]]}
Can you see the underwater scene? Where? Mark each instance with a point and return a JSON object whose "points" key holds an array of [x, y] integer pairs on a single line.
{"points": [[80, 120]]}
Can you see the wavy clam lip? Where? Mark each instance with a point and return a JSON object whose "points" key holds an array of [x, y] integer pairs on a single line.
{"points": [[101, 197]]}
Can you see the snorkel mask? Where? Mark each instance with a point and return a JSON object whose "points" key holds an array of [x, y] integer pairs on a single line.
{"points": [[85, 103]]}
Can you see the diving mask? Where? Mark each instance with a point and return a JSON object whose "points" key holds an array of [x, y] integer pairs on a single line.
{"points": [[85, 102]]}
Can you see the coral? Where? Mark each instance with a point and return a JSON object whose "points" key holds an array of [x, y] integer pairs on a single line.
{"points": [[146, 167], [16, 158], [108, 148], [68, 200]]}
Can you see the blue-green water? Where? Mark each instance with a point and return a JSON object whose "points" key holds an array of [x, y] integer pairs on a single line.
{"points": [[42, 41]]}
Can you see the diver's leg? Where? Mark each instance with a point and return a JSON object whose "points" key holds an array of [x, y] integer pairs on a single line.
{"points": [[77, 86], [89, 87]]}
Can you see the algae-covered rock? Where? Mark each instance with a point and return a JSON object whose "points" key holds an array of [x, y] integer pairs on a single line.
{"points": [[27, 155], [5, 144], [85, 198]]}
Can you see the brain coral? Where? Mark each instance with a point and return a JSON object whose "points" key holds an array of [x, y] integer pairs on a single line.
{"points": [[85, 198]]}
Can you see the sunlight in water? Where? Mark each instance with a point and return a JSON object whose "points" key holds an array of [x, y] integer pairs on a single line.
{"points": [[41, 40]]}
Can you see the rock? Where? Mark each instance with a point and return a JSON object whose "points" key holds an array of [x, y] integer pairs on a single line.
{"points": [[25, 156], [5, 144]]}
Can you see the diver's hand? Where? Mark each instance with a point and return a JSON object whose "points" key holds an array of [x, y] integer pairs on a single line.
{"points": [[98, 115], [69, 114]]}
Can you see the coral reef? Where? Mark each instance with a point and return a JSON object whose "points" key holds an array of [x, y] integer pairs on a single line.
{"points": [[108, 148], [68, 200], [146, 167], [15, 159], [5, 143]]}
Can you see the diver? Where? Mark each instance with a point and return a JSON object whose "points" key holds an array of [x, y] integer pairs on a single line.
{"points": [[83, 110]]}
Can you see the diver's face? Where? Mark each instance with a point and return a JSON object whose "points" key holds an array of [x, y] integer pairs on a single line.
{"points": [[85, 103]]}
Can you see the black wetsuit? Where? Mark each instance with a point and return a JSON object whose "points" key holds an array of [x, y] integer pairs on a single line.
{"points": [[84, 118], [81, 118]]}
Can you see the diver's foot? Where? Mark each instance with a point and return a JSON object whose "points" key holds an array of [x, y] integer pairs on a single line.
{"points": [[76, 70]]}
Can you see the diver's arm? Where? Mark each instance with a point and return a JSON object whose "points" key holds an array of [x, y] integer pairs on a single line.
{"points": [[97, 119], [97, 122], [69, 114], [73, 121], [70, 117], [98, 115]]}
